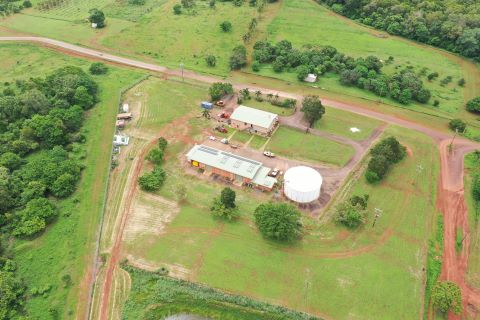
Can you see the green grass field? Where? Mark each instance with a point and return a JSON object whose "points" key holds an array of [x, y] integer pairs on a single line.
{"points": [[473, 273], [295, 144], [68, 244], [339, 122], [257, 142], [241, 136], [373, 273]]}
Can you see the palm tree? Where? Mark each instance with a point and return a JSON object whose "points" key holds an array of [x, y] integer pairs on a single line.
{"points": [[206, 113], [269, 96]]}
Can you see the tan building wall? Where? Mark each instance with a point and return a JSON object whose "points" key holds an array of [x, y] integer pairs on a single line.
{"points": [[254, 129]]}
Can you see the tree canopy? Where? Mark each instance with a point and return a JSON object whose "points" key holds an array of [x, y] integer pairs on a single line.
{"points": [[313, 109], [97, 16], [384, 154], [447, 296], [474, 105], [219, 89], [278, 221]]}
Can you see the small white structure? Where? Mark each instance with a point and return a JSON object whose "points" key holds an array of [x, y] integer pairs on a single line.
{"points": [[120, 140], [310, 78], [302, 184], [94, 25], [125, 107], [354, 130]]}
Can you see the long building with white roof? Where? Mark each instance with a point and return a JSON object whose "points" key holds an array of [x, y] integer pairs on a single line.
{"points": [[254, 120]]}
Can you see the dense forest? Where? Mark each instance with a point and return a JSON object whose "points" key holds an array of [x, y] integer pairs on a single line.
{"points": [[40, 161], [450, 24], [8, 7], [366, 73]]}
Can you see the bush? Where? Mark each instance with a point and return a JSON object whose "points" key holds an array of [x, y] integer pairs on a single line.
{"points": [[219, 210], [98, 68], [97, 17], [136, 2], [27, 4], [162, 144], [227, 198], [447, 296], [384, 154], [350, 215], [436, 103], [177, 9], [476, 187], [256, 66], [474, 105], [155, 156], [226, 26], [238, 59], [211, 60], [219, 89], [278, 221], [152, 181], [457, 125]]}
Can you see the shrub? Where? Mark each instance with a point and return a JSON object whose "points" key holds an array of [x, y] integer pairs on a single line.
{"points": [[219, 89], [227, 197], [256, 66], [226, 26], [238, 59], [476, 187], [177, 9], [384, 154], [278, 221], [436, 103], [461, 82], [447, 296], [162, 144], [152, 181], [155, 156], [98, 68], [350, 215], [219, 210], [474, 105], [211, 60], [27, 4], [136, 2], [97, 17], [457, 125]]}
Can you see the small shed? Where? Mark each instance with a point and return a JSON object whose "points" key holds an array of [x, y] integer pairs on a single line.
{"points": [[310, 78], [207, 105], [94, 25], [120, 140], [125, 107], [124, 116]]}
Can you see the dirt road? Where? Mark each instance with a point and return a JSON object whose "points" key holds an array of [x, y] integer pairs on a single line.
{"points": [[450, 189]]}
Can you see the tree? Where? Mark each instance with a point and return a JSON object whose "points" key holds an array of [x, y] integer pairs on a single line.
{"points": [[211, 60], [206, 113], [83, 98], [461, 82], [219, 210], [34, 217], [238, 59], [155, 156], [11, 295], [474, 105], [457, 125], [219, 89], [152, 181], [302, 72], [278, 221], [447, 296], [97, 17], [64, 185], [162, 144], [313, 109], [227, 197], [27, 4], [256, 66], [177, 9], [349, 214], [98, 68], [10, 160], [226, 26]]}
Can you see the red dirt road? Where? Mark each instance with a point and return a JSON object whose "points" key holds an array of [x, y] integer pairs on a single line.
{"points": [[450, 187]]}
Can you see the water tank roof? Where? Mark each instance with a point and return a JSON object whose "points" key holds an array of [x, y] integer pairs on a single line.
{"points": [[302, 184]]}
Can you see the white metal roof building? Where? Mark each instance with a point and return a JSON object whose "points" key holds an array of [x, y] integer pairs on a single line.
{"points": [[253, 119], [302, 184], [236, 165]]}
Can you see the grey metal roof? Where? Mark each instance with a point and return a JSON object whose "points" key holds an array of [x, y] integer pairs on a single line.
{"points": [[225, 161], [254, 116], [262, 178]]}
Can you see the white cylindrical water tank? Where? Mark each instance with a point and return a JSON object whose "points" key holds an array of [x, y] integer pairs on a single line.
{"points": [[302, 184]]}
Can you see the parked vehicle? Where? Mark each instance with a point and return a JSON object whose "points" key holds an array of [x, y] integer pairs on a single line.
{"points": [[212, 138], [206, 105], [274, 173], [220, 103], [224, 115], [269, 154], [221, 129], [224, 141], [234, 146]]}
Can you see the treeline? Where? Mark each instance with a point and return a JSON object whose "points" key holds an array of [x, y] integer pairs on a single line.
{"points": [[8, 7], [40, 160], [366, 73], [450, 24]]}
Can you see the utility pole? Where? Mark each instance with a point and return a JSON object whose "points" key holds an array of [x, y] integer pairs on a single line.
{"points": [[181, 67], [378, 213]]}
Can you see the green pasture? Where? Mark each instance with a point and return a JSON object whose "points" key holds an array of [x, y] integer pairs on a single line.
{"points": [[257, 142], [339, 122], [241, 136], [67, 246], [473, 272], [296, 144]]}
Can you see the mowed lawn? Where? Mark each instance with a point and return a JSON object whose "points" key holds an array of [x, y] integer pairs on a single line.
{"points": [[305, 22], [296, 144], [67, 246], [372, 273], [340, 122]]}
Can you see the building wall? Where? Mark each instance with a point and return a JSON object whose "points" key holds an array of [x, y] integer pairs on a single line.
{"points": [[247, 126]]}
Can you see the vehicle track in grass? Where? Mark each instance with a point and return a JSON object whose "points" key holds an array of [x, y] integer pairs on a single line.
{"points": [[451, 199]]}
